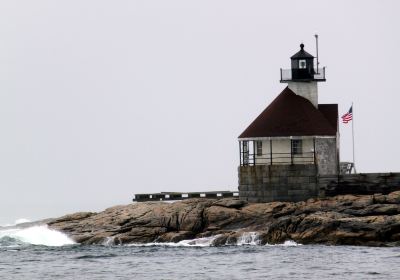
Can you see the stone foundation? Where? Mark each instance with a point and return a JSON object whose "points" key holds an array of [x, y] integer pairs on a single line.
{"points": [[266, 183], [299, 182]]}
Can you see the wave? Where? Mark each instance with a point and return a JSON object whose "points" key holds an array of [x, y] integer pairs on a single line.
{"points": [[21, 221], [17, 222], [35, 235], [246, 239], [197, 242], [249, 238], [287, 243], [16, 236]]}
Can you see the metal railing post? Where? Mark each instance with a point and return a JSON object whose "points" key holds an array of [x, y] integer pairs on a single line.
{"points": [[291, 151], [240, 153], [270, 149], [314, 158], [254, 152]]}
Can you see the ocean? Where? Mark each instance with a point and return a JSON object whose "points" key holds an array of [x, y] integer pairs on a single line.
{"points": [[36, 252]]}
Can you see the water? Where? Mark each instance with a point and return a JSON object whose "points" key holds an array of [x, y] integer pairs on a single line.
{"points": [[23, 256]]}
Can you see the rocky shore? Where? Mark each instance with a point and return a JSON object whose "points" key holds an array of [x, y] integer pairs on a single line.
{"points": [[372, 220]]}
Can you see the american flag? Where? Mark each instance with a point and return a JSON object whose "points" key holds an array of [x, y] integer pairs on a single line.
{"points": [[348, 116]]}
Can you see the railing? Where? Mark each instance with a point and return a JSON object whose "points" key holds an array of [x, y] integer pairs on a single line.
{"points": [[183, 195], [302, 74], [247, 159]]}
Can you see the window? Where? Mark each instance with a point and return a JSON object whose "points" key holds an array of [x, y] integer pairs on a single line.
{"points": [[302, 64], [297, 147], [259, 148]]}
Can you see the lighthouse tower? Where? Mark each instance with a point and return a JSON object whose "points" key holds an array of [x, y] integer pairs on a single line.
{"points": [[294, 141], [302, 78]]}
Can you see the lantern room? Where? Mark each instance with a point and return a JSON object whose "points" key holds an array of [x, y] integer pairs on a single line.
{"points": [[302, 69], [302, 65]]}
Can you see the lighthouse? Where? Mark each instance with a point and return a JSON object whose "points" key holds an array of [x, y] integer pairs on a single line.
{"points": [[302, 78], [293, 141]]}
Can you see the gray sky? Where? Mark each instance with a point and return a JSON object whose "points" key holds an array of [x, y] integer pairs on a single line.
{"points": [[103, 99]]}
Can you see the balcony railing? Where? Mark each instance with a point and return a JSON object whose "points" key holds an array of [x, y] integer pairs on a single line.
{"points": [[247, 158], [302, 75]]}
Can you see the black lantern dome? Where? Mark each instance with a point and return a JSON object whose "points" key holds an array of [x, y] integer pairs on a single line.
{"points": [[302, 68], [302, 65]]}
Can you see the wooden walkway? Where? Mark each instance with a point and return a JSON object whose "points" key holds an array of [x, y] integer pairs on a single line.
{"points": [[182, 195]]}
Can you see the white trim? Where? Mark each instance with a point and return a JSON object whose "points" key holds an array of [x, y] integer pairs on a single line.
{"points": [[284, 137]]}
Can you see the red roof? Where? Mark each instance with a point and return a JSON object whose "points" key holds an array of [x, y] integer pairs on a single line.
{"points": [[330, 111], [292, 115]]}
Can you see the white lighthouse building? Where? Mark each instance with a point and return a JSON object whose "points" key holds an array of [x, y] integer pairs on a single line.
{"points": [[293, 141]]}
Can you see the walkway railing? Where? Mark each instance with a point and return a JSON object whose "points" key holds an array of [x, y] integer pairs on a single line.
{"points": [[276, 158], [288, 75], [184, 195]]}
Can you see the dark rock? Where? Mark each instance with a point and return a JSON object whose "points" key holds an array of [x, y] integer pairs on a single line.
{"points": [[393, 197], [372, 220], [230, 203], [175, 236], [72, 217]]}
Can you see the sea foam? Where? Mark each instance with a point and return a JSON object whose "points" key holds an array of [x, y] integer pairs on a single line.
{"points": [[287, 243], [246, 239], [17, 222], [249, 238], [197, 242], [35, 235], [21, 221]]}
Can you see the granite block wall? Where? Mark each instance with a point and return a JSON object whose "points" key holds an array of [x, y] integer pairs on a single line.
{"points": [[326, 155], [266, 183]]}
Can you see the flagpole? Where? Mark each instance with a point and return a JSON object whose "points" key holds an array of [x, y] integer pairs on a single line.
{"points": [[352, 133]]}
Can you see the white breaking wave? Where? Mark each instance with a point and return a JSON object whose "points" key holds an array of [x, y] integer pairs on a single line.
{"points": [[249, 238], [108, 241], [37, 235], [197, 242], [17, 222], [252, 238], [6, 225], [290, 243], [21, 221], [287, 243]]}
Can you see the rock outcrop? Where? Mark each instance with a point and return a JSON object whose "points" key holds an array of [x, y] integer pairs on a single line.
{"points": [[372, 220]]}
